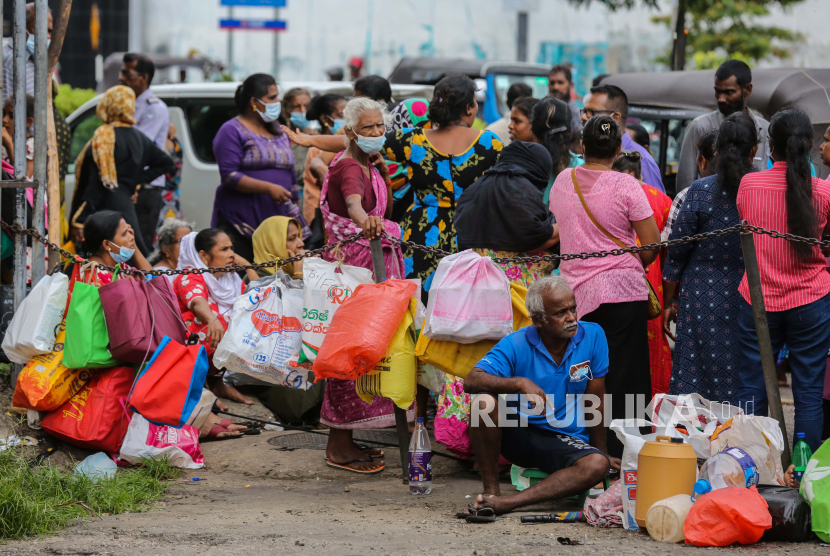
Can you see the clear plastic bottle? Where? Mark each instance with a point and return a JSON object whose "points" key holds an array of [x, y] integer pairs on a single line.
{"points": [[733, 467], [801, 455], [420, 461]]}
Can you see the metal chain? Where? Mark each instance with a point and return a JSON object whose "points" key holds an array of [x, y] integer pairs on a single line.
{"points": [[124, 269], [739, 228]]}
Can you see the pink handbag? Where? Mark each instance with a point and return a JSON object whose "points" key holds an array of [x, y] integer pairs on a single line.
{"points": [[139, 315]]}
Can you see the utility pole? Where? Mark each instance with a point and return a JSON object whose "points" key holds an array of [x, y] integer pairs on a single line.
{"points": [[276, 49], [230, 44], [678, 59], [521, 36]]}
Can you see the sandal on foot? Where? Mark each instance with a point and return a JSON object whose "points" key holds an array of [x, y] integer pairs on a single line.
{"points": [[345, 466], [215, 431], [379, 452]]}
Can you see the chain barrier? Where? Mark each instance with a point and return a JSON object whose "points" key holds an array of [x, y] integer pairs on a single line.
{"points": [[739, 228]]}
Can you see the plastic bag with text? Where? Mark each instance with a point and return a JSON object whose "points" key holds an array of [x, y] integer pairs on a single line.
{"points": [[694, 416], [264, 334], [144, 440], [34, 326]]}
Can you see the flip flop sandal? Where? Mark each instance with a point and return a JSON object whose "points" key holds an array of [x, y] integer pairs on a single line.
{"points": [[477, 515], [363, 448], [215, 431], [345, 466]]}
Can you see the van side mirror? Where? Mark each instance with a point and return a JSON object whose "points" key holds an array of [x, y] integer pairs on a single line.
{"points": [[481, 90]]}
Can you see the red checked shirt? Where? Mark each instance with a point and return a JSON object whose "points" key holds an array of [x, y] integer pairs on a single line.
{"points": [[787, 280]]}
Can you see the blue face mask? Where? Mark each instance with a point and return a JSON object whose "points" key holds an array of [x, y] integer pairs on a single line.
{"points": [[30, 44], [272, 111], [124, 254], [371, 145], [338, 123], [299, 120]]}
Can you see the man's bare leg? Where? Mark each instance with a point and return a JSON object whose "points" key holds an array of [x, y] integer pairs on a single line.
{"points": [[486, 442], [581, 476]]}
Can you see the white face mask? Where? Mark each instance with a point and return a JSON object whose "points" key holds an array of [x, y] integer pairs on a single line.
{"points": [[272, 111]]}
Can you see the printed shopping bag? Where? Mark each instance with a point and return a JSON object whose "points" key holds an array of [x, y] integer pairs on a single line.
{"points": [[265, 334], [362, 329], [395, 376], [87, 339], [139, 314], [325, 287], [169, 387], [469, 300], [34, 326], [146, 440], [94, 418], [46, 382]]}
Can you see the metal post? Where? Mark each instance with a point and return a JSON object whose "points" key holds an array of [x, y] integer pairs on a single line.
{"points": [[230, 44], [276, 49], [19, 137], [521, 36], [678, 59], [753, 277], [400, 414], [41, 90]]}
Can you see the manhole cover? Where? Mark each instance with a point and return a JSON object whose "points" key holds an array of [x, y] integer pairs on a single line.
{"points": [[311, 441]]}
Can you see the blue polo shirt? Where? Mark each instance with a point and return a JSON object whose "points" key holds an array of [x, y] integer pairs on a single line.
{"points": [[522, 354]]}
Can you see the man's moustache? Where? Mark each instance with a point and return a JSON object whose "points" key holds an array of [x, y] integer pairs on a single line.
{"points": [[569, 326]]}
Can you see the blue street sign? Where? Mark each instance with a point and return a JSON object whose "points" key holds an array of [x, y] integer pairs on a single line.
{"points": [[253, 24], [254, 3]]}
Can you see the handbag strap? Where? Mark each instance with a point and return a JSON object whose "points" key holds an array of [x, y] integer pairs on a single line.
{"points": [[599, 226]]}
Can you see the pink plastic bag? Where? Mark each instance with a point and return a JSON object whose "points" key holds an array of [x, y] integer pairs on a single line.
{"points": [[469, 300], [146, 440]]}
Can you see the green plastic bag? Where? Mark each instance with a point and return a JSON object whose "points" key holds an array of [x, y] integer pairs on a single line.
{"points": [[815, 488], [86, 331]]}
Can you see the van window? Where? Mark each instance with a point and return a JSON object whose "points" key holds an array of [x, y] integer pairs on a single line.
{"points": [[538, 83], [82, 133], [204, 119]]}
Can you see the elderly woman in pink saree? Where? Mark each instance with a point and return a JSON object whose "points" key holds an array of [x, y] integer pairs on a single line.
{"points": [[356, 198]]}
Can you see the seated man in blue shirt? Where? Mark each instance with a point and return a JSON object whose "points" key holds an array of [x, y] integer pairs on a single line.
{"points": [[559, 360]]}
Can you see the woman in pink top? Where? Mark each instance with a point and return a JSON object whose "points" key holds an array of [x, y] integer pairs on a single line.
{"points": [[794, 278], [610, 291]]}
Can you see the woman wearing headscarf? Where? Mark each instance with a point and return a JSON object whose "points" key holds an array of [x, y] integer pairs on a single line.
{"points": [[206, 300], [279, 237], [114, 162], [500, 215]]}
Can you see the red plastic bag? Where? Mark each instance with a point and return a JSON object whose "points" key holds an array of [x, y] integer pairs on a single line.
{"points": [[362, 329], [726, 516], [94, 417]]}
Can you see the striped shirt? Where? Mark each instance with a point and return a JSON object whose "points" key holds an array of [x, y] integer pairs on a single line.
{"points": [[787, 280], [8, 75]]}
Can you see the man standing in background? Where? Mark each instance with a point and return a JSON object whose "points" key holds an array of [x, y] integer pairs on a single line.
{"points": [[153, 120], [8, 55], [559, 86], [499, 127], [733, 85]]}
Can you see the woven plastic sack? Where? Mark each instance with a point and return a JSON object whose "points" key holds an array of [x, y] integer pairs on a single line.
{"points": [[395, 376], [362, 329], [46, 382], [145, 440], [469, 300], [726, 516], [34, 326]]}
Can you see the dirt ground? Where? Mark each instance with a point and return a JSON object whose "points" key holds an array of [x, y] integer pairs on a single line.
{"points": [[255, 499]]}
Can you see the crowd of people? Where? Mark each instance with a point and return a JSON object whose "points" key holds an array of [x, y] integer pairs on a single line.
{"points": [[298, 171]]}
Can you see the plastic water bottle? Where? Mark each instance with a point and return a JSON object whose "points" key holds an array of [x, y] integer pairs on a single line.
{"points": [[734, 467], [420, 461], [801, 455]]}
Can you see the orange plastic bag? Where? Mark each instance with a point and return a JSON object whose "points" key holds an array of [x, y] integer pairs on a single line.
{"points": [[726, 516], [362, 329]]}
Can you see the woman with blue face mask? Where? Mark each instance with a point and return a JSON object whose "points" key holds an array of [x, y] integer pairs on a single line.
{"points": [[294, 115], [109, 240], [357, 198], [256, 166]]}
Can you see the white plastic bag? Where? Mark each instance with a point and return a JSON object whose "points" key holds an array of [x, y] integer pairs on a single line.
{"points": [[430, 378], [469, 300], [145, 440], [628, 431], [697, 415], [752, 430], [34, 325], [324, 290], [264, 334]]}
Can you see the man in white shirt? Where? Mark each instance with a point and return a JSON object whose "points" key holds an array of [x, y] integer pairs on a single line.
{"points": [[499, 127]]}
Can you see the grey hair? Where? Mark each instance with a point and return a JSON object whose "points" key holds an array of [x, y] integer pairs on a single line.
{"points": [[167, 236], [358, 105], [534, 301]]}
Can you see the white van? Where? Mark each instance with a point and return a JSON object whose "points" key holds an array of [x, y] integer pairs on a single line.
{"points": [[198, 110]]}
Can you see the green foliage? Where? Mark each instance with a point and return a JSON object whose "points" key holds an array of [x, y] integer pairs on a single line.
{"points": [[724, 29], [6, 373], [70, 99], [40, 499]]}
